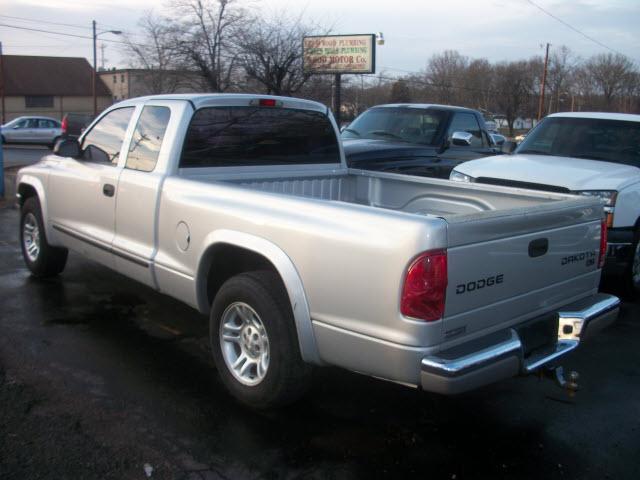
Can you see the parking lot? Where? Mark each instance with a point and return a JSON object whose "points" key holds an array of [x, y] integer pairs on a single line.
{"points": [[101, 377]]}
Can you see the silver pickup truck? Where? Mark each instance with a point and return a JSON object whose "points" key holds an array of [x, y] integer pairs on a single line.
{"points": [[242, 207]]}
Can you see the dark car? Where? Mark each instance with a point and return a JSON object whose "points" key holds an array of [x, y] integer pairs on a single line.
{"points": [[73, 124], [416, 139]]}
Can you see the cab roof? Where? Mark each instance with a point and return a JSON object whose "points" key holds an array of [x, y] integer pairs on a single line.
{"points": [[423, 106], [199, 100], [598, 115]]}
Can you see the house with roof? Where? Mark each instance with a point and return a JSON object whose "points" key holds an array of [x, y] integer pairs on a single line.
{"points": [[49, 86], [136, 82]]}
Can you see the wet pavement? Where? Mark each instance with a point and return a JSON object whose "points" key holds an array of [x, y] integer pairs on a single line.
{"points": [[100, 376]]}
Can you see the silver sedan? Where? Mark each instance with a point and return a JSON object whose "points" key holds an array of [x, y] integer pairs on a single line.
{"points": [[41, 130]]}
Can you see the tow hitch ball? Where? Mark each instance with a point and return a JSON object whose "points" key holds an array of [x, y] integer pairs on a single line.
{"points": [[568, 383]]}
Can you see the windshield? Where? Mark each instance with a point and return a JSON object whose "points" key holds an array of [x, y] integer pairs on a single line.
{"points": [[614, 141], [413, 125]]}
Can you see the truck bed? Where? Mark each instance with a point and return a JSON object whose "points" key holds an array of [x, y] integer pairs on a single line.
{"points": [[503, 211]]}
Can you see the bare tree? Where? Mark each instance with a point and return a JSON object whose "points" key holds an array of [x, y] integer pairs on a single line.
{"points": [[204, 38], [445, 72], [400, 92], [513, 86], [610, 75], [270, 53], [156, 55], [559, 77]]}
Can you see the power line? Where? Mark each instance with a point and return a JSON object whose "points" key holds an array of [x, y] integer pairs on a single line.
{"points": [[69, 35], [580, 32], [33, 20], [85, 27]]}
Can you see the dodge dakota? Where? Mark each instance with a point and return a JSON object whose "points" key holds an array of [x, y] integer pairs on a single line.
{"points": [[242, 206]]}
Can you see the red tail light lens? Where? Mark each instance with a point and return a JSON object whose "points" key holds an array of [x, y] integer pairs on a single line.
{"points": [[425, 286], [64, 125], [603, 243], [267, 102]]}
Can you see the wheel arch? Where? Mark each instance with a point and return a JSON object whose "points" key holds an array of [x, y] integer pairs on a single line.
{"points": [[32, 186], [228, 253]]}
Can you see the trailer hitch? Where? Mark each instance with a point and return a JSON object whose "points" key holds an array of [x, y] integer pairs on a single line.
{"points": [[568, 383]]}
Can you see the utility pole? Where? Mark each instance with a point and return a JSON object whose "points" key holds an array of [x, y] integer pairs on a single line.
{"points": [[336, 98], [544, 81], [2, 120], [93, 74], [2, 146], [95, 64]]}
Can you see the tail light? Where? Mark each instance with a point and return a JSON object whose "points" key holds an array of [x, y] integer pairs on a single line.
{"points": [[64, 126], [603, 243], [425, 286]]}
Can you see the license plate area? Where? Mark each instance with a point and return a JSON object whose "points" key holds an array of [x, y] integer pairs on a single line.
{"points": [[538, 333]]}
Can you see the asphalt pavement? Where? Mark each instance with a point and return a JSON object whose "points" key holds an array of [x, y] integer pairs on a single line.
{"points": [[21, 155], [103, 378]]}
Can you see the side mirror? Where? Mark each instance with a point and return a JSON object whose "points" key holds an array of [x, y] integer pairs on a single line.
{"points": [[67, 147], [508, 147], [461, 139]]}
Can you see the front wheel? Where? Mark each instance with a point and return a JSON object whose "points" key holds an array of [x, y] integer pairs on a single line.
{"points": [[254, 341], [41, 258]]}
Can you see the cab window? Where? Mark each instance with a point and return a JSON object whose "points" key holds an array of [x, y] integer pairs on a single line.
{"points": [[467, 122], [103, 142], [147, 138]]}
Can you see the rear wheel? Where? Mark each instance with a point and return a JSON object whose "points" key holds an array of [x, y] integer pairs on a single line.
{"points": [[53, 144], [41, 258], [254, 341]]}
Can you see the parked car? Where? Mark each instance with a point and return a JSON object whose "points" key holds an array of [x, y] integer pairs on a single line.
{"points": [[243, 207], [34, 130], [591, 154], [73, 124], [416, 139]]}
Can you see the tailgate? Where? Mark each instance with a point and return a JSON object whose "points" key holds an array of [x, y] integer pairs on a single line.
{"points": [[550, 259]]}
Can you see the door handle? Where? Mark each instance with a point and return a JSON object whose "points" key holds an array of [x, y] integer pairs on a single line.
{"points": [[108, 190]]}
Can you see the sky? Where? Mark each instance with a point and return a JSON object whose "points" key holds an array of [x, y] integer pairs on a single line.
{"points": [[413, 29]]}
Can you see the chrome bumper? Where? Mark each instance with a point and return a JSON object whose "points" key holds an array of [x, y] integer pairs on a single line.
{"points": [[501, 355]]}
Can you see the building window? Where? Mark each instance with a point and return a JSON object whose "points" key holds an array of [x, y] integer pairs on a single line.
{"points": [[38, 101], [122, 78], [115, 79]]}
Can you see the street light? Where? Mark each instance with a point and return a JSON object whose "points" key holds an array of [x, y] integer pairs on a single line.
{"points": [[95, 64]]}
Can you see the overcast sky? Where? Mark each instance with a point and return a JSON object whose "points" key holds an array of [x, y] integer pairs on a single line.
{"points": [[413, 29]]}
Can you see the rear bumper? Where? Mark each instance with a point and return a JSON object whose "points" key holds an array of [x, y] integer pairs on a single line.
{"points": [[505, 354]]}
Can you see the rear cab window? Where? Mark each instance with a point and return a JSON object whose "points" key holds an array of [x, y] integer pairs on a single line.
{"points": [[257, 136]]}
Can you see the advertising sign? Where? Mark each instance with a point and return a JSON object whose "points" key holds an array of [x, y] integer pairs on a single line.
{"points": [[339, 53]]}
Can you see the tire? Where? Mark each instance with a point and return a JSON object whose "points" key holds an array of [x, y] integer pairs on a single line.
{"points": [[53, 144], [41, 258], [248, 308], [633, 272]]}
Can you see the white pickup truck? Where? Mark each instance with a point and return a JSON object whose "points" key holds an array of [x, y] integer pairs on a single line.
{"points": [[242, 206], [592, 154]]}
